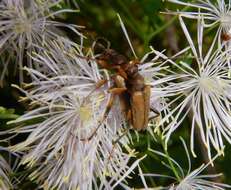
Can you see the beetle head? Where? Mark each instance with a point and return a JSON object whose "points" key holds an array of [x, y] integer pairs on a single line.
{"points": [[131, 69]]}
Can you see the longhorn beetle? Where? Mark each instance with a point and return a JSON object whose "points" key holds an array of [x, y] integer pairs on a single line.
{"points": [[129, 85]]}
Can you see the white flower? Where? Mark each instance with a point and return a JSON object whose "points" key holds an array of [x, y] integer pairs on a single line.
{"points": [[203, 93], [68, 2], [8, 167], [190, 180], [70, 111], [5, 171], [213, 12], [24, 26]]}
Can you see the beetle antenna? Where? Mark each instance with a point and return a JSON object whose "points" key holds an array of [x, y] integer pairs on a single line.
{"points": [[101, 43], [126, 35]]}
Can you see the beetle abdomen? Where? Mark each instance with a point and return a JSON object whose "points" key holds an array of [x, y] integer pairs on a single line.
{"points": [[138, 110], [140, 105]]}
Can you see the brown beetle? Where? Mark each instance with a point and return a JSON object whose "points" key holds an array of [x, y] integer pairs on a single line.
{"points": [[129, 85], [135, 98]]}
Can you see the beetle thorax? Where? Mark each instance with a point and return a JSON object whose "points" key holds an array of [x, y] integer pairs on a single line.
{"points": [[131, 70]]}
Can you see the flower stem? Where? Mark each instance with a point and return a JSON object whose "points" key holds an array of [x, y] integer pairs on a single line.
{"points": [[171, 163]]}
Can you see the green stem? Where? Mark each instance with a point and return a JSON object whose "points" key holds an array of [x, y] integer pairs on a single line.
{"points": [[167, 24], [146, 170], [171, 163], [148, 141], [130, 20], [210, 29], [9, 116], [163, 27]]}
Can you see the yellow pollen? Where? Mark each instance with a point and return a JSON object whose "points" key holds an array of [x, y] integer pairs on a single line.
{"points": [[225, 20], [213, 85], [85, 113], [22, 26], [66, 179]]}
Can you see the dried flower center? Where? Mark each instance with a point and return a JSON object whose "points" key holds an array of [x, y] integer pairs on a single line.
{"points": [[22, 26], [90, 108], [226, 21], [184, 185], [212, 85], [85, 113]]}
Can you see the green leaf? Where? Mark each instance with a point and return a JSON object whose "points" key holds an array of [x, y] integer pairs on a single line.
{"points": [[7, 113], [151, 6]]}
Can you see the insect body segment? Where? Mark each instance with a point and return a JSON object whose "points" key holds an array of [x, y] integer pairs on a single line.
{"points": [[129, 86], [140, 101], [135, 100]]}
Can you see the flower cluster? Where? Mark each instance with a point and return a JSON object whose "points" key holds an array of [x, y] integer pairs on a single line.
{"points": [[75, 142], [77, 135], [25, 25], [5, 170], [199, 89], [190, 180], [215, 14]]}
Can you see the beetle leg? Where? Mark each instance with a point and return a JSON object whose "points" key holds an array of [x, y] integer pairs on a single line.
{"points": [[155, 111], [117, 90], [122, 73], [116, 141], [99, 84], [122, 135], [114, 91], [155, 116], [104, 64], [106, 112], [128, 119]]}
